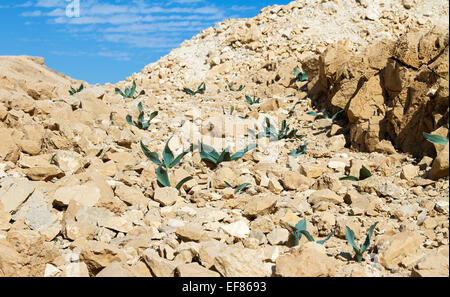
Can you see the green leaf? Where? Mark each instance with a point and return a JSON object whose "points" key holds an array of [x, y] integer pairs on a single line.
{"points": [[241, 153], [299, 151], [139, 107], [437, 139], [308, 236], [326, 238], [231, 110], [133, 89], [296, 72], [228, 185], [312, 113], [52, 160], [336, 114], [364, 173], [129, 120], [291, 112], [184, 180], [224, 156], [177, 160], [162, 176], [141, 119], [249, 100], [153, 115], [167, 155], [188, 91], [367, 241], [150, 155], [350, 236], [118, 91], [301, 225], [230, 87], [240, 187], [352, 178]]}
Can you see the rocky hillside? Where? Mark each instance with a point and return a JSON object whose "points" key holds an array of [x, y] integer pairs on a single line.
{"points": [[82, 192]]}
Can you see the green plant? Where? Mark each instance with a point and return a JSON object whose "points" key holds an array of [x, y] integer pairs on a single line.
{"points": [[300, 76], [300, 229], [350, 236], [363, 174], [52, 160], [200, 90], [241, 87], [437, 139], [231, 110], [299, 151], [291, 111], [168, 159], [211, 155], [74, 91], [252, 101], [140, 122], [324, 115], [163, 178], [129, 92], [238, 188], [284, 132]]}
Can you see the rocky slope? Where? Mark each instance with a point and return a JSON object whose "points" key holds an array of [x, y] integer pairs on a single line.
{"points": [[79, 197]]}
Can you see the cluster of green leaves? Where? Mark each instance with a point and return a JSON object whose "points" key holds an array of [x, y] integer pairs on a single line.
{"points": [[140, 122], [300, 229], [168, 161], [238, 188], [241, 87], [436, 139], [74, 91], [231, 110], [324, 115], [299, 151], [129, 92], [200, 90], [300, 76], [252, 101], [163, 178], [350, 236], [363, 174], [284, 132], [209, 154]]}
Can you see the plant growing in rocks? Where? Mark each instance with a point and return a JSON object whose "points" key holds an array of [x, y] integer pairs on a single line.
{"points": [[350, 237], [364, 173], [291, 111], [73, 91], [231, 110], [140, 122], [324, 115], [300, 76], [284, 133], [300, 229], [436, 139], [238, 188], [251, 101], [163, 178], [241, 87], [299, 151], [168, 158], [200, 90], [129, 92], [212, 156]]}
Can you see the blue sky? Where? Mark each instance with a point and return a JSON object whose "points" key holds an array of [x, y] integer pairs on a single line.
{"points": [[110, 40]]}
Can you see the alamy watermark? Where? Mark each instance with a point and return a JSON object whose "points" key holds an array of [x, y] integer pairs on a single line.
{"points": [[73, 9]]}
